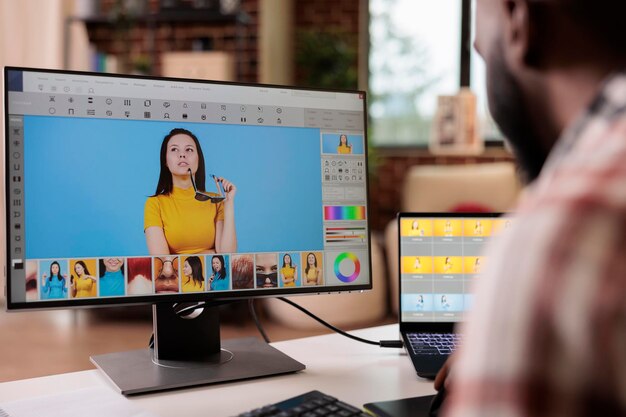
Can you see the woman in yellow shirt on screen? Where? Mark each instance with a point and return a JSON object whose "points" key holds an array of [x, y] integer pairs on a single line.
{"points": [[344, 147], [193, 275], [288, 272], [415, 229], [417, 265], [312, 274], [83, 283], [181, 217], [478, 228], [447, 228], [477, 266]]}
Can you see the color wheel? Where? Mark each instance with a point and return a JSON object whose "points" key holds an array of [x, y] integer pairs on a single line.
{"points": [[347, 257]]}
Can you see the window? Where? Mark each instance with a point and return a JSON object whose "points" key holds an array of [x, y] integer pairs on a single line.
{"points": [[414, 56], [415, 53]]}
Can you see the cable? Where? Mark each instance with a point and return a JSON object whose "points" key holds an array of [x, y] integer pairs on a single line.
{"points": [[381, 343], [256, 320]]}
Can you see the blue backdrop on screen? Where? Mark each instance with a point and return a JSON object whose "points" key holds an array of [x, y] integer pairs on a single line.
{"points": [[87, 181]]}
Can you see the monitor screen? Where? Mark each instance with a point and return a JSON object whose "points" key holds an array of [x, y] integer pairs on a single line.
{"points": [[124, 189], [441, 255]]}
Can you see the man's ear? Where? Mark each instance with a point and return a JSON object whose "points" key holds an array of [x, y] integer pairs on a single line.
{"points": [[522, 46]]}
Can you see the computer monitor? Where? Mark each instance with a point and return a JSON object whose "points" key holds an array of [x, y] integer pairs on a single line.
{"points": [[130, 190]]}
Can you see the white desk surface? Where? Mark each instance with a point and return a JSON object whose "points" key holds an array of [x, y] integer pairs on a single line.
{"points": [[351, 371]]}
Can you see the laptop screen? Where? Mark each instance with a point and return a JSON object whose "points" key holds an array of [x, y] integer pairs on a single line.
{"points": [[440, 258]]}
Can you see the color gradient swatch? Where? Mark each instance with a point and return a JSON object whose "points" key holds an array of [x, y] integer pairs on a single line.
{"points": [[344, 213]]}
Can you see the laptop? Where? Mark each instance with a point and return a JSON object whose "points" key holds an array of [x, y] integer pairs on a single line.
{"points": [[440, 257]]}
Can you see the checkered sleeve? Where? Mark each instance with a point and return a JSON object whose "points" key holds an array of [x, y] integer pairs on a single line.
{"points": [[547, 336]]}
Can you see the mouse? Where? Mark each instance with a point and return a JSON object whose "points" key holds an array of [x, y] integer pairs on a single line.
{"points": [[435, 404]]}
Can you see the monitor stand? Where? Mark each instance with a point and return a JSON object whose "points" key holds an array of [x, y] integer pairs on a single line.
{"points": [[188, 352]]}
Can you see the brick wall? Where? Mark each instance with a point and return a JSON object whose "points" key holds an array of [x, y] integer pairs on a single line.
{"points": [[316, 15], [321, 14], [179, 35]]}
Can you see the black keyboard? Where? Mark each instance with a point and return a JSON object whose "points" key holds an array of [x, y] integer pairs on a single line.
{"points": [[434, 343], [311, 404]]}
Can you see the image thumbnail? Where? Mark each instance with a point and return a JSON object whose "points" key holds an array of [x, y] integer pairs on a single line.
{"points": [[54, 279], [417, 265], [474, 264], [242, 272], [500, 225], [312, 272], [166, 275], [266, 270], [112, 280], [219, 278], [289, 270], [83, 281], [417, 302], [31, 284], [192, 277], [416, 227], [448, 265], [139, 276], [449, 302], [448, 227], [477, 227], [342, 144]]}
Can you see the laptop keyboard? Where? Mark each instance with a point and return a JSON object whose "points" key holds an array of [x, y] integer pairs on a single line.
{"points": [[434, 343], [310, 404]]}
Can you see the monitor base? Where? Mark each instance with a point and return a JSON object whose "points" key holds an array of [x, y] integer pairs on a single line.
{"points": [[136, 371]]}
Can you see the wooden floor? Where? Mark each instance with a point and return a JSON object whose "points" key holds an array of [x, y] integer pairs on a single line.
{"points": [[42, 343]]}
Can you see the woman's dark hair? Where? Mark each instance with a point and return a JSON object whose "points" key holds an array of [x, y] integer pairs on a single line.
{"points": [[306, 270], [290, 261], [59, 276], [81, 263], [166, 184], [343, 136], [221, 274], [196, 269]]}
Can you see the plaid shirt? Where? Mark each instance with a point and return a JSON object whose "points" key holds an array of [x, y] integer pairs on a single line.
{"points": [[547, 336]]}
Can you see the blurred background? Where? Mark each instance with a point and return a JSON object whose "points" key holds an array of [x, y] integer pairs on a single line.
{"points": [[405, 53]]}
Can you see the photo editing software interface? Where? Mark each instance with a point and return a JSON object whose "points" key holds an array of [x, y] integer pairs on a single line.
{"points": [[277, 203], [440, 258]]}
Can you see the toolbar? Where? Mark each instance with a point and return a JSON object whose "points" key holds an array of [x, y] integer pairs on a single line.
{"points": [[133, 108]]}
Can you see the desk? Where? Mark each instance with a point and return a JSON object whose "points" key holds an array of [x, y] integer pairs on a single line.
{"points": [[351, 371]]}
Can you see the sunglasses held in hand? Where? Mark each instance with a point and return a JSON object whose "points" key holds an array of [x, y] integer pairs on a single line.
{"points": [[202, 196]]}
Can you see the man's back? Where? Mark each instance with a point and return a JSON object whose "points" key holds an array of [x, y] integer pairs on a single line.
{"points": [[548, 332]]}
